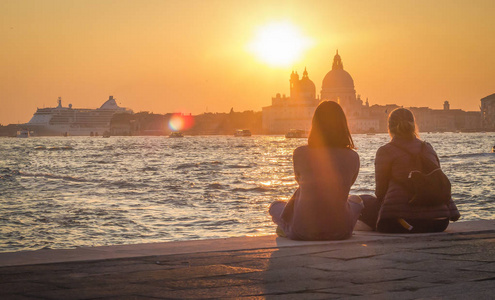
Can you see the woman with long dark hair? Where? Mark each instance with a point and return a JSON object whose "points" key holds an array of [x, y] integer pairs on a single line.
{"points": [[392, 210], [325, 169]]}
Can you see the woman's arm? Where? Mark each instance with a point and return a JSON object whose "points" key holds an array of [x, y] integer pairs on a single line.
{"points": [[297, 175], [434, 153], [295, 159], [357, 168], [383, 169]]}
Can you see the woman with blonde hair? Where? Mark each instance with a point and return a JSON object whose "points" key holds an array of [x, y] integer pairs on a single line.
{"points": [[392, 210], [325, 169]]}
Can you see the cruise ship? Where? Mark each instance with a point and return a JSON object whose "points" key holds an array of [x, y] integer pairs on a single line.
{"points": [[70, 121]]}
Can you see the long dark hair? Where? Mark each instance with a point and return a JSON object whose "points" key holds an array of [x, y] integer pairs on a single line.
{"points": [[329, 127], [401, 124]]}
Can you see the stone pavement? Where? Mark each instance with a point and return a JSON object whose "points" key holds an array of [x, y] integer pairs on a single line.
{"points": [[457, 264]]}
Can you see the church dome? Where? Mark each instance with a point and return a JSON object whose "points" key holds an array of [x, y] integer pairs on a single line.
{"points": [[306, 85], [337, 78]]}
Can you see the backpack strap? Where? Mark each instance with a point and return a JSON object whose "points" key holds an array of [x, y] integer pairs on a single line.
{"points": [[421, 151], [403, 183], [423, 143]]}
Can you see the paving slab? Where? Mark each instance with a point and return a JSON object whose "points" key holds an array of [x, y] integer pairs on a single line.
{"points": [[456, 264]]}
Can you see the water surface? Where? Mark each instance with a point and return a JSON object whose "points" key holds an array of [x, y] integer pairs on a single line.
{"points": [[124, 190]]}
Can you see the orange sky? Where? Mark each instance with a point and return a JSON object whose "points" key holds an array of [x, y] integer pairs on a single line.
{"points": [[191, 56]]}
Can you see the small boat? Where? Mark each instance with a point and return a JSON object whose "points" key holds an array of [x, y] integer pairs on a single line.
{"points": [[242, 132], [295, 133], [40, 148], [23, 133], [176, 134]]}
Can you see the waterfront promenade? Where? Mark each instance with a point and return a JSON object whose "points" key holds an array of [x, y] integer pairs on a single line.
{"points": [[457, 264]]}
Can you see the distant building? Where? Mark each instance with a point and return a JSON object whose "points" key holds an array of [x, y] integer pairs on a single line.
{"points": [[446, 119], [296, 111], [488, 112], [338, 86]]}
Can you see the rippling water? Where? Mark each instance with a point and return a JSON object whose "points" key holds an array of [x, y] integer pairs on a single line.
{"points": [[124, 190]]}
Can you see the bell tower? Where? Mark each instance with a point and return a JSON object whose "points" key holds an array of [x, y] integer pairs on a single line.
{"points": [[294, 85]]}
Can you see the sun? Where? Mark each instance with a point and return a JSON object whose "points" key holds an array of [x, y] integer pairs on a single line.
{"points": [[279, 44]]}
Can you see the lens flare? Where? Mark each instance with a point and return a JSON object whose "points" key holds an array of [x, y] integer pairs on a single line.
{"points": [[180, 122]]}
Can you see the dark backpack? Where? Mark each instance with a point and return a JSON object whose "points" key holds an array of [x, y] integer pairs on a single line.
{"points": [[427, 182]]}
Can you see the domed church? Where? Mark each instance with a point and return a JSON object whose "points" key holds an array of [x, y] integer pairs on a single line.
{"points": [[296, 111], [338, 86], [302, 90]]}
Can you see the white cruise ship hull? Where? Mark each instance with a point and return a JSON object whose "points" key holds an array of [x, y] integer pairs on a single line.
{"points": [[66, 121]]}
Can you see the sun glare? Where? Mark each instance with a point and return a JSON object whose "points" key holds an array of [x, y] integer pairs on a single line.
{"points": [[279, 44]]}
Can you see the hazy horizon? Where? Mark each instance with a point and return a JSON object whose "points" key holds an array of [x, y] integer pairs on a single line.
{"points": [[196, 56]]}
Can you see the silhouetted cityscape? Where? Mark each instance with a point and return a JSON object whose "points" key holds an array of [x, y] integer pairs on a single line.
{"points": [[293, 112]]}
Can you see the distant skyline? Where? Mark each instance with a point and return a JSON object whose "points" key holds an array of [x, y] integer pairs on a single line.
{"points": [[193, 56]]}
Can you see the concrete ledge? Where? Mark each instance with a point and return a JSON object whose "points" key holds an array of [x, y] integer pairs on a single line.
{"points": [[456, 264], [212, 245]]}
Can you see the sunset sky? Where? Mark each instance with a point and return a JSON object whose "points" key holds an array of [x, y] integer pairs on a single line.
{"points": [[193, 56]]}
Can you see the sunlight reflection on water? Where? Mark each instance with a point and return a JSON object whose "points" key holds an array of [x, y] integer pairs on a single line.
{"points": [[124, 190]]}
